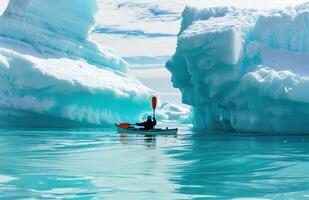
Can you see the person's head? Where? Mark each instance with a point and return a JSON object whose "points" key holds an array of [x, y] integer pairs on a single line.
{"points": [[149, 117]]}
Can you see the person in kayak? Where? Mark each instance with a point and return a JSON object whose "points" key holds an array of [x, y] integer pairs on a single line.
{"points": [[149, 124]]}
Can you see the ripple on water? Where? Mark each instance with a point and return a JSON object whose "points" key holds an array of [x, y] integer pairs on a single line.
{"points": [[100, 163]]}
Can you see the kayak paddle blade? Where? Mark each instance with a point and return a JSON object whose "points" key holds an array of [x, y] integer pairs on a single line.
{"points": [[124, 125], [154, 103]]}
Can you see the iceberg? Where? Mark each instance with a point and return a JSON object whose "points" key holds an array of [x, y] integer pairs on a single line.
{"points": [[170, 113], [53, 74], [244, 70]]}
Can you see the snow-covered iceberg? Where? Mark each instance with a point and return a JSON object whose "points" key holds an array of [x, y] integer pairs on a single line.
{"points": [[52, 74], [244, 70]]}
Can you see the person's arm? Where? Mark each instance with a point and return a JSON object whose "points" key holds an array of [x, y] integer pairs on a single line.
{"points": [[141, 124], [154, 121]]}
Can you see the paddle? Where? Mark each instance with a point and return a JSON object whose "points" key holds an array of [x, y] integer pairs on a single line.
{"points": [[154, 105], [125, 125]]}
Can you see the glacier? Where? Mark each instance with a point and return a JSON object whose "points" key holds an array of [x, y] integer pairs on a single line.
{"points": [[53, 75], [244, 70]]}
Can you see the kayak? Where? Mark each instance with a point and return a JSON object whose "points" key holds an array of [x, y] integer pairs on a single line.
{"points": [[152, 132]]}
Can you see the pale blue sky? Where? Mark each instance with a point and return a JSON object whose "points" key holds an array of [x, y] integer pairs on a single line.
{"points": [[144, 32], [149, 27]]}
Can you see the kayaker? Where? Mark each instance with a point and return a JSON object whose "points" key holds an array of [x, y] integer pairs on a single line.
{"points": [[149, 124]]}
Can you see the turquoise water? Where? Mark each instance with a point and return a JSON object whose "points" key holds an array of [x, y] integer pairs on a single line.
{"points": [[100, 164]]}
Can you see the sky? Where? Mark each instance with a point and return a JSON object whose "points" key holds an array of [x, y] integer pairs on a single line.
{"points": [[144, 33], [148, 24]]}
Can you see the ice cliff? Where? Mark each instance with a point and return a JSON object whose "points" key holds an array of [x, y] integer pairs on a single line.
{"points": [[244, 70], [52, 74]]}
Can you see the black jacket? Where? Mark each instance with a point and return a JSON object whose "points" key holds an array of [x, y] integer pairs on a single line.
{"points": [[149, 124]]}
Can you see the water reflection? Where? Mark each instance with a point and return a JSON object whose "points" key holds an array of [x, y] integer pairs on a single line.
{"points": [[235, 165], [83, 164], [102, 164], [149, 141]]}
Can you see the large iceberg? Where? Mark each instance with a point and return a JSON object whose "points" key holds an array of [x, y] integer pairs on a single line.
{"points": [[52, 74], [244, 70]]}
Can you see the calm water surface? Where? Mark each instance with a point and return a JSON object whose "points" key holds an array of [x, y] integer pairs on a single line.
{"points": [[100, 164]]}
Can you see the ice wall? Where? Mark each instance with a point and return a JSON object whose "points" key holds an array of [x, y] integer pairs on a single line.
{"points": [[58, 27], [244, 70], [53, 75]]}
